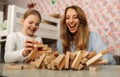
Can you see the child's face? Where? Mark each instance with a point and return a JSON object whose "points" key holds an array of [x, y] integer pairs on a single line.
{"points": [[30, 25]]}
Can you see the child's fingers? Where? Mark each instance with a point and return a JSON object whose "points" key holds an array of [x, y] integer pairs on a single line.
{"points": [[38, 42], [28, 50], [30, 41], [29, 45]]}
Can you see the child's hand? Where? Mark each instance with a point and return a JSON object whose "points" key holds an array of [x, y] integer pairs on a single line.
{"points": [[29, 45]]}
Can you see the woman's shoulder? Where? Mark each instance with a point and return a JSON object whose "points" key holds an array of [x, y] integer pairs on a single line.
{"points": [[93, 33]]}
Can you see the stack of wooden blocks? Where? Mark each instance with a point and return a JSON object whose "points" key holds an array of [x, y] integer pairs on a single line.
{"points": [[43, 57], [49, 59]]}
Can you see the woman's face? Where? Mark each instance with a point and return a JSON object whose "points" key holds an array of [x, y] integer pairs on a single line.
{"points": [[72, 20]]}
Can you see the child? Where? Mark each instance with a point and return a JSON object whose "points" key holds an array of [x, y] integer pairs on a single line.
{"points": [[20, 44]]}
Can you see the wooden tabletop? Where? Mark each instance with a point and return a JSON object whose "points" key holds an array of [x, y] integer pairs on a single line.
{"points": [[103, 71]]}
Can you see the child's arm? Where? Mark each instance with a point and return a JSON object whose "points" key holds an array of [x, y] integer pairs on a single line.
{"points": [[13, 49]]}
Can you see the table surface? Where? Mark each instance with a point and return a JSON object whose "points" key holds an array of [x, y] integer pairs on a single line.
{"points": [[103, 71]]}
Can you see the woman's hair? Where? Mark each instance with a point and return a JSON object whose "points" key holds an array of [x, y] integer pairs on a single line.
{"points": [[32, 12], [82, 35]]}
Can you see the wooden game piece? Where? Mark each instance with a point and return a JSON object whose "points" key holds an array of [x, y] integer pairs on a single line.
{"points": [[93, 68], [86, 54], [58, 60], [14, 67], [80, 66], [67, 58], [45, 47], [34, 53], [62, 64], [84, 60], [38, 63], [91, 54], [77, 60], [49, 58], [97, 57], [105, 61]]}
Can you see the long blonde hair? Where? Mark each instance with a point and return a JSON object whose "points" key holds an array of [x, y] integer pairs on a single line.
{"points": [[81, 37]]}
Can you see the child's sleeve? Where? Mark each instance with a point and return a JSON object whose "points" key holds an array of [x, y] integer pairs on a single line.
{"points": [[11, 52]]}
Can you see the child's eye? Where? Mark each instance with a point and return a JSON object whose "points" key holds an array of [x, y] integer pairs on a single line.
{"points": [[30, 22], [37, 24]]}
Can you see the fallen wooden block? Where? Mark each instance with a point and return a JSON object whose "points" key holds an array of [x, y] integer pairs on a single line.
{"points": [[105, 61], [38, 63], [84, 60], [58, 60], [93, 68], [67, 58], [97, 57], [19, 67], [77, 60], [80, 66], [14, 67], [62, 64], [91, 54]]}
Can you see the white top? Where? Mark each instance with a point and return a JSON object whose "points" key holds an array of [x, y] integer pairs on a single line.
{"points": [[15, 46]]}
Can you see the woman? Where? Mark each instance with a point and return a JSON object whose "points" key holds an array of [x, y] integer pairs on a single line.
{"points": [[75, 34]]}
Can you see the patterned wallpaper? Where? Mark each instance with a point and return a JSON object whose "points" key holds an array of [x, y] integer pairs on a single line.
{"points": [[103, 17]]}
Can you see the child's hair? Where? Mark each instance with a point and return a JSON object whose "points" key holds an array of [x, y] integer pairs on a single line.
{"points": [[31, 12]]}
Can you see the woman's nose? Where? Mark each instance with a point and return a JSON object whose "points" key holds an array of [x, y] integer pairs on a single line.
{"points": [[71, 20]]}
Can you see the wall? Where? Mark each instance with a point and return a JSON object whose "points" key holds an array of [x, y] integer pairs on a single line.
{"points": [[103, 16], [20, 3]]}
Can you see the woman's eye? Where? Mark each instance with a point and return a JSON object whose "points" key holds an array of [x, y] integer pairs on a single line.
{"points": [[75, 17]]}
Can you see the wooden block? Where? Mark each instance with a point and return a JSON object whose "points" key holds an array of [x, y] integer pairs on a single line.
{"points": [[62, 64], [34, 53], [38, 63], [105, 61], [93, 68], [94, 59], [80, 66], [73, 55], [86, 54], [77, 60], [49, 58], [45, 47], [53, 66], [59, 59], [33, 64], [49, 66], [49, 49], [104, 52], [67, 58], [28, 66], [14, 67], [84, 60], [91, 54]]}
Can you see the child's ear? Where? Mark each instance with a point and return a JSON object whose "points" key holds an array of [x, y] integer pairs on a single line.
{"points": [[22, 21]]}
